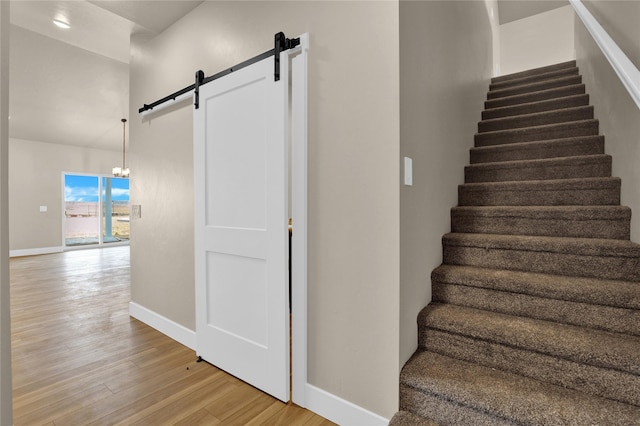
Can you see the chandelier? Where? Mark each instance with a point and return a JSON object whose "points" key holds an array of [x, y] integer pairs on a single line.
{"points": [[123, 171]]}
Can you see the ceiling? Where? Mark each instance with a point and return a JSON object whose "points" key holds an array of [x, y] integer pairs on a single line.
{"points": [[512, 10], [71, 86]]}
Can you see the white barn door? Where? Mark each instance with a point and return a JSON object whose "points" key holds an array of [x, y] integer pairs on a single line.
{"points": [[241, 234]]}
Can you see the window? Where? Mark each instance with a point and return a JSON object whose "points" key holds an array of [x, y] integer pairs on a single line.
{"points": [[96, 210]]}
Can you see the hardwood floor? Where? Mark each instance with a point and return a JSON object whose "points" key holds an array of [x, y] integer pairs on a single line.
{"points": [[79, 359]]}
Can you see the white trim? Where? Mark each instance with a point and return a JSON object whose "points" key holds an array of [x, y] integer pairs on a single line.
{"points": [[299, 216], [35, 251], [177, 332], [339, 410], [622, 65]]}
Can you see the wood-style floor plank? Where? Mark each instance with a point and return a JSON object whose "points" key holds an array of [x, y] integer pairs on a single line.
{"points": [[80, 359]]}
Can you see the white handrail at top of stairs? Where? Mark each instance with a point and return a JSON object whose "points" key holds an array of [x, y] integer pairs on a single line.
{"points": [[622, 65]]}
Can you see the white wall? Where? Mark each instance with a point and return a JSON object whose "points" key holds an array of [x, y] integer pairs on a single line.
{"points": [[6, 406], [536, 41], [618, 115], [353, 271], [35, 179], [445, 66]]}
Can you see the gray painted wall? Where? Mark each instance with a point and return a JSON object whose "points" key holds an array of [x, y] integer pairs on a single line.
{"points": [[445, 66], [6, 406], [619, 116]]}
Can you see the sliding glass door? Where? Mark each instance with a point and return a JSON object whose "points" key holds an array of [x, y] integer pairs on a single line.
{"points": [[96, 210]]}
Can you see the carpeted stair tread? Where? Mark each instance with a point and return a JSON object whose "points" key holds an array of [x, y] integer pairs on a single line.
{"points": [[554, 148], [607, 318], [556, 92], [407, 418], [550, 75], [540, 169], [537, 133], [534, 71], [609, 222], [588, 346], [539, 106], [534, 87], [603, 382], [559, 192], [536, 119], [466, 389], [580, 257]]}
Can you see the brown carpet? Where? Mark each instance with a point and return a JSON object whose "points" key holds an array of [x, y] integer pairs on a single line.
{"points": [[535, 318]]}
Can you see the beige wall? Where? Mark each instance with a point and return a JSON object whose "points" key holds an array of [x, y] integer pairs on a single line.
{"points": [[621, 19], [6, 414], [618, 114], [445, 66], [353, 194], [536, 41], [35, 179]]}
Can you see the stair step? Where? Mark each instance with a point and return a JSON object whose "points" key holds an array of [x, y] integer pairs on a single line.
{"points": [[452, 391], [533, 107], [534, 71], [535, 87], [537, 119], [579, 257], [561, 192], [555, 148], [558, 92], [538, 133], [595, 291], [550, 75], [606, 222], [596, 362], [406, 418], [584, 166], [538, 306]]}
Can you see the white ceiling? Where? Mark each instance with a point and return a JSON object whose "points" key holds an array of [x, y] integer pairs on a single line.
{"points": [[72, 86]]}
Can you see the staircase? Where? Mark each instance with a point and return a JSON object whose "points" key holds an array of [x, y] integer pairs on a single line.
{"points": [[535, 318]]}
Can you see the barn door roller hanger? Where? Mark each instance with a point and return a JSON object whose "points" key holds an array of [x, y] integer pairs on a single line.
{"points": [[281, 43]]}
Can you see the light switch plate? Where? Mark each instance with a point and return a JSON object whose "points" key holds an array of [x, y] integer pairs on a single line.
{"points": [[408, 171], [43, 209]]}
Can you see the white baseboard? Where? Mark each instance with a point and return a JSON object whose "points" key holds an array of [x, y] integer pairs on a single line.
{"points": [[339, 410], [177, 332], [35, 251]]}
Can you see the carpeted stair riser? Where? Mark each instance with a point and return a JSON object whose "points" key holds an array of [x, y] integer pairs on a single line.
{"points": [[443, 411], [538, 133], [534, 107], [566, 147], [603, 382], [561, 221], [571, 192], [462, 390], [593, 291], [580, 257], [534, 72], [544, 169], [551, 75], [606, 318], [542, 95], [534, 87], [536, 119], [620, 352]]}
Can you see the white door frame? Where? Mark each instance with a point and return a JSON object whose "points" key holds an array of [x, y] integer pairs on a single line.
{"points": [[298, 160]]}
